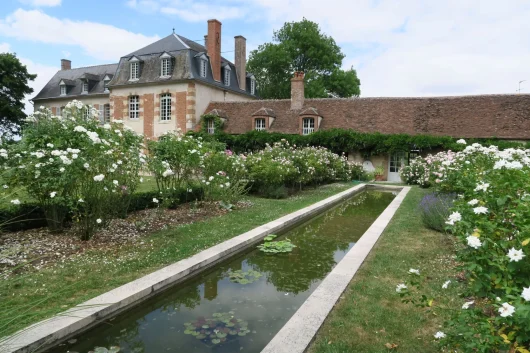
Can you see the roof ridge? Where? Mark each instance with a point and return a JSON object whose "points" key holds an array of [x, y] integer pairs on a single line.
{"points": [[86, 67]]}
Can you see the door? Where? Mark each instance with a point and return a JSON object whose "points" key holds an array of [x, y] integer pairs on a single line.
{"points": [[396, 162]]}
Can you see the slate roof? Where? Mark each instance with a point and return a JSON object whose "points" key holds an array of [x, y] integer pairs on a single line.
{"points": [[481, 116], [186, 65], [73, 79]]}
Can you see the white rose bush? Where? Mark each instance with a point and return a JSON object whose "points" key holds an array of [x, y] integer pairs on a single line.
{"points": [[491, 222], [75, 164]]}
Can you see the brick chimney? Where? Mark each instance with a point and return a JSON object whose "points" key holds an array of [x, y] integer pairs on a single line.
{"points": [[66, 64], [240, 60], [297, 90], [214, 47]]}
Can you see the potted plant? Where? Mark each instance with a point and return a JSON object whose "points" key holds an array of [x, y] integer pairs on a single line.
{"points": [[379, 173]]}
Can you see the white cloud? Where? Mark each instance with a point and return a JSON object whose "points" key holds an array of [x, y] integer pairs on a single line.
{"points": [[44, 74], [4, 48], [101, 41], [39, 3], [200, 12], [66, 54]]}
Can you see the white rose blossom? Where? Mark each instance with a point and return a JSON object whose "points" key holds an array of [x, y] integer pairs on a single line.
{"points": [[401, 287], [99, 177], [526, 294], [506, 310], [474, 242], [439, 335], [515, 255]]}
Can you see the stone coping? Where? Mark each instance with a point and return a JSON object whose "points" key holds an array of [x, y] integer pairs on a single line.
{"points": [[297, 334], [45, 334]]}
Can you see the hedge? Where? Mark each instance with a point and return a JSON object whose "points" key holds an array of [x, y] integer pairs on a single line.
{"points": [[345, 140], [30, 215]]}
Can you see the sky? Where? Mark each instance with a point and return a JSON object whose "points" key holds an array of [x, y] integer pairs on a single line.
{"points": [[399, 48]]}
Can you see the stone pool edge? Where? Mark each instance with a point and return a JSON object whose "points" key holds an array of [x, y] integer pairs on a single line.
{"points": [[298, 333], [45, 334]]}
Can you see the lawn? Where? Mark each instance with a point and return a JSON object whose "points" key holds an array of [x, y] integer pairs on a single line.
{"points": [[37, 295], [370, 316]]}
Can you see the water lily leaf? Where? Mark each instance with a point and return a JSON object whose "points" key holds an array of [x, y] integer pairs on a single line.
{"points": [[216, 341], [101, 350], [114, 349], [205, 326], [241, 333], [221, 334], [201, 336]]}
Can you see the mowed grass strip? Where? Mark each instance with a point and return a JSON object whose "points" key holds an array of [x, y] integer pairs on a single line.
{"points": [[370, 315], [29, 298]]}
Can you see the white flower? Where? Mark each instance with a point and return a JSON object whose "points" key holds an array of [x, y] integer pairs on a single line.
{"points": [[86, 165], [210, 178], [506, 310], [480, 210], [98, 221], [400, 287], [438, 335], [6, 187], [454, 217], [446, 284], [50, 145], [106, 126], [61, 169], [207, 183], [461, 141], [473, 202], [74, 156], [467, 304], [15, 202], [474, 242], [414, 271], [79, 128], [189, 190], [526, 294], [227, 185], [141, 180], [52, 194], [167, 172], [482, 187], [515, 255], [115, 182], [155, 200], [99, 177], [81, 200]]}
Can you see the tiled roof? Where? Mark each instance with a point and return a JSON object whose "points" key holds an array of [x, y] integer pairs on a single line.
{"points": [[72, 78], [483, 116]]}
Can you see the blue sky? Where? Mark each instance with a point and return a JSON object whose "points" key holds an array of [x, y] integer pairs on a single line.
{"points": [[399, 48]]}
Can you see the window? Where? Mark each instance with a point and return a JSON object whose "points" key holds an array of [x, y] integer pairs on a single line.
{"points": [[85, 87], [63, 90], [252, 86], [134, 107], [227, 76], [58, 111], [211, 126], [308, 126], [165, 107], [86, 112], [101, 112], [135, 70], [106, 112], [62, 112], [203, 68], [106, 85], [165, 67], [260, 124]]}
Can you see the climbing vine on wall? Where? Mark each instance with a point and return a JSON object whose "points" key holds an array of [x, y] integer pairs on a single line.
{"points": [[217, 121]]}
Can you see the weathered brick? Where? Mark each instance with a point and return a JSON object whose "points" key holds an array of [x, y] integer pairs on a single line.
{"points": [[180, 98], [148, 114]]}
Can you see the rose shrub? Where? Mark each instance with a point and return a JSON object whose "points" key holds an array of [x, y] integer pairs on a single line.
{"points": [[491, 221], [76, 164]]}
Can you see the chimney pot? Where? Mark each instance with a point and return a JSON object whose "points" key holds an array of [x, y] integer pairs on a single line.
{"points": [[240, 61], [214, 47], [297, 90], [66, 64]]}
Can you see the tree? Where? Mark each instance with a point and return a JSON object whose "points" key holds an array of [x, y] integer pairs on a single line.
{"points": [[301, 46], [14, 79]]}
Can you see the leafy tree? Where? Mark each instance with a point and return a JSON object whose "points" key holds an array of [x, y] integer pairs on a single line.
{"points": [[301, 46], [14, 79]]}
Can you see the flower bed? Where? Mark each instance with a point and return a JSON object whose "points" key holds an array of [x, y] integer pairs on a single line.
{"points": [[491, 221]]}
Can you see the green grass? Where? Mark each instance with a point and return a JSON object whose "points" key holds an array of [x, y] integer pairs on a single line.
{"points": [[370, 312], [38, 295]]}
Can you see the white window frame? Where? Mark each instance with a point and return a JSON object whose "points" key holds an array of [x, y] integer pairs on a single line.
{"points": [[227, 76], [58, 111], [85, 87], [101, 111], [165, 67], [86, 112], [259, 124], [63, 90], [308, 126], [252, 86], [165, 107], [106, 113], [135, 71], [106, 86], [134, 107], [203, 69], [210, 126]]}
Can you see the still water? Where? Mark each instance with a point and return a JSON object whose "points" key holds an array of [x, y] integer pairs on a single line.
{"points": [[239, 305]]}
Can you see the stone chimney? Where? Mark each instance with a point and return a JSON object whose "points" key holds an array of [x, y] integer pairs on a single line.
{"points": [[206, 42], [214, 47], [297, 90], [66, 64], [240, 60]]}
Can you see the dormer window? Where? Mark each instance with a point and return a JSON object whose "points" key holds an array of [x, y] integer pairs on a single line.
{"points": [[203, 67], [85, 88], [252, 85], [135, 70], [259, 124], [165, 65], [210, 126], [227, 75], [106, 86], [63, 89], [308, 126]]}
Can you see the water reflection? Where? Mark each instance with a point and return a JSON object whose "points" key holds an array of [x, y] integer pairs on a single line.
{"points": [[263, 305]]}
